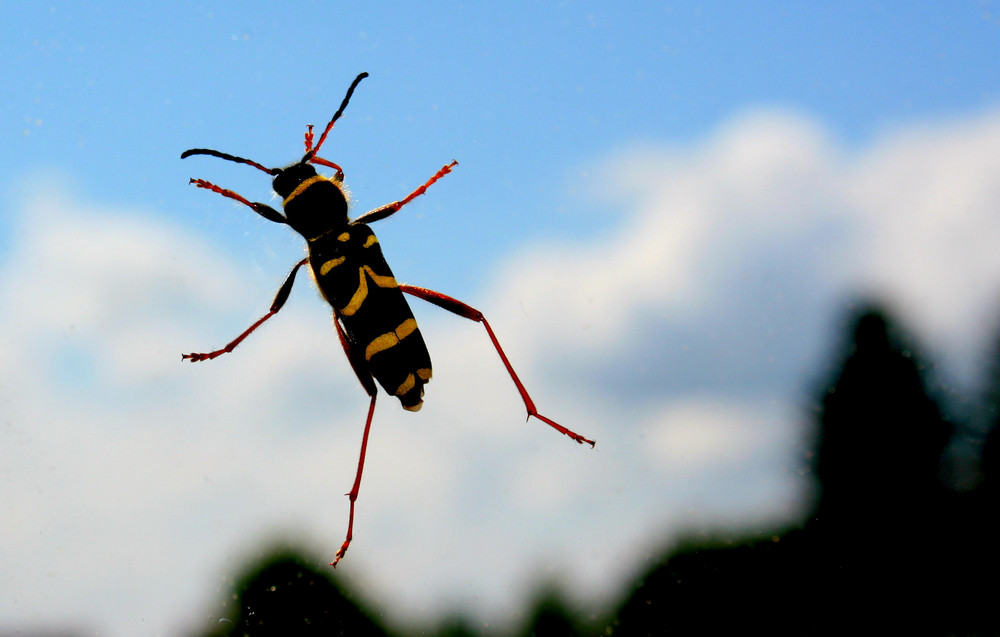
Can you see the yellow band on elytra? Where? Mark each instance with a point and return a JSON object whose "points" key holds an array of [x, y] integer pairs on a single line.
{"points": [[331, 264]]}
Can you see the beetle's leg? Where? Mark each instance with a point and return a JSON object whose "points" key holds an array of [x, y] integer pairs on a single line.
{"points": [[457, 307], [388, 209], [279, 301], [309, 137], [357, 360], [365, 377], [353, 494], [263, 210]]}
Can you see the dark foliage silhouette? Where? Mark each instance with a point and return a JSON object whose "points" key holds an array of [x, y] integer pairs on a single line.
{"points": [[887, 547], [881, 437], [881, 524], [289, 595], [550, 616]]}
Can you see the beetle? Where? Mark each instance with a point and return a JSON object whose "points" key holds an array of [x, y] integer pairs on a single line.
{"points": [[372, 318]]}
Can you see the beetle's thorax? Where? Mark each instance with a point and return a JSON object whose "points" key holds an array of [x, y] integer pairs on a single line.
{"points": [[314, 204]]}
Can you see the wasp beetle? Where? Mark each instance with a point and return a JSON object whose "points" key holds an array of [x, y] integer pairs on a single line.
{"points": [[375, 325]]}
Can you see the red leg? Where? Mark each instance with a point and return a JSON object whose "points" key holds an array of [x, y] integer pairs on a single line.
{"points": [[357, 361], [279, 301], [457, 307], [353, 495], [207, 185], [365, 377], [263, 210], [389, 209]]}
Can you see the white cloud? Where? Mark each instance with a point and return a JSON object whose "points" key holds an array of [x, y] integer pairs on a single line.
{"points": [[682, 339], [925, 203], [701, 434]]}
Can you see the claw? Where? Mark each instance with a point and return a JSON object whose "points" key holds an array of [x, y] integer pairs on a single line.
{"points": [[340, 554]]}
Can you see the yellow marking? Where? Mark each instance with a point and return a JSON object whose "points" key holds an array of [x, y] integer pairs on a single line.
{"points": [[331, 264], [381, 281], [370, 241], [414, 407], [407, 385], [359, 295], [424, 373], [301, 187], [344, 236], [406, 328], [380, 344], [390, 339], [362, 292]]}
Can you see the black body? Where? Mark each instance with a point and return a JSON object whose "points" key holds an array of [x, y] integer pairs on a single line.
{"points": [[354, 277]]}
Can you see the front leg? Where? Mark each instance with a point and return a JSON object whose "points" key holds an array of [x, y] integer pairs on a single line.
{"points": [[279, 301], [263, 210], [389, 209]]}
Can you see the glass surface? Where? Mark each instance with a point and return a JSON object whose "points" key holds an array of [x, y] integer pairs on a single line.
{"points": [[683, 222]]}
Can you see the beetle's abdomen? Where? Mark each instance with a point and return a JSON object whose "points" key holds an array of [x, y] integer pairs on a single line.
{"points": [[354, 277]]}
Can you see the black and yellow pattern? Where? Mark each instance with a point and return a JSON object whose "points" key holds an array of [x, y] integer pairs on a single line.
{"points": [[373, 321], [355, 279]]}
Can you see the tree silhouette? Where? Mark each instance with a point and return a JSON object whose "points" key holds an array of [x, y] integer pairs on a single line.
{"points": [[873, 555], [881, 522], [288, 595], [975, 557], [881, 437], [724, 588], [550, 615]]}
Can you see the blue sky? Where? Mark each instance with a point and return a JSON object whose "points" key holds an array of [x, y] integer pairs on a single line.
{"points": [[664, 209]]}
